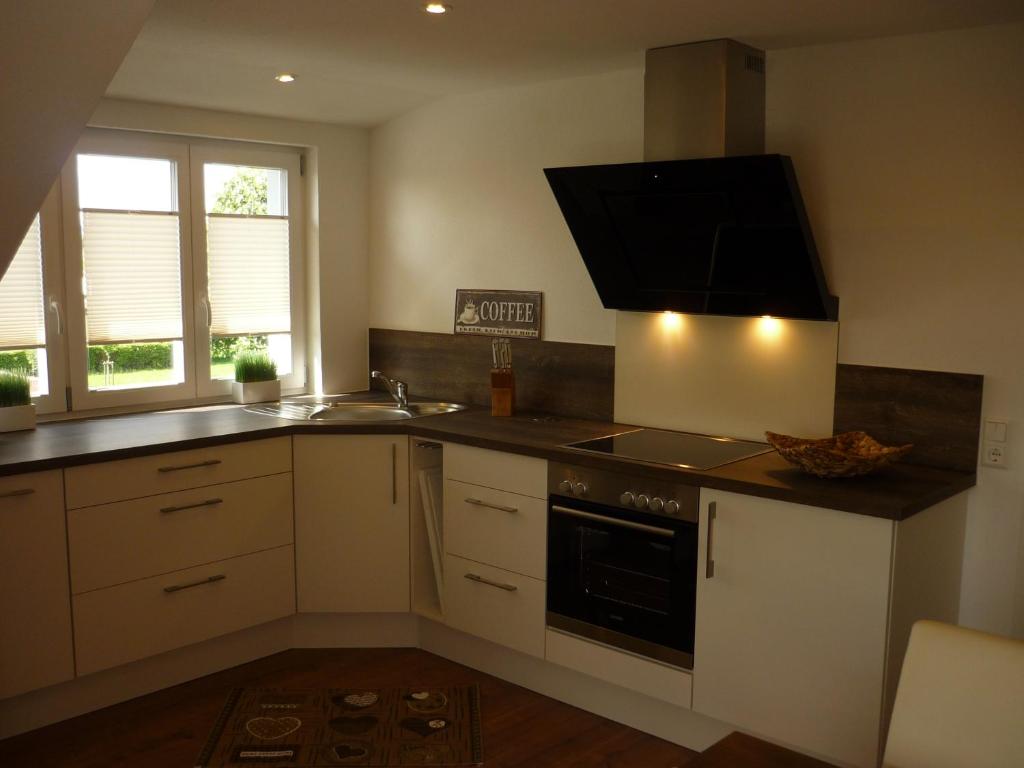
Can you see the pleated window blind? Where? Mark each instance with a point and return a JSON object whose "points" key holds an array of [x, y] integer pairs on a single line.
{"points": [[248, 274], [22, 325], [132, 264]]}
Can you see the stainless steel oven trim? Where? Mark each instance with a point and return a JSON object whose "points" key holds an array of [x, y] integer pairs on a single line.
{"points": [[618, 522], [643, 648]]}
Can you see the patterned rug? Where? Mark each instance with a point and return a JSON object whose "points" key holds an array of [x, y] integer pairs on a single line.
{"points": [[354, 727]]}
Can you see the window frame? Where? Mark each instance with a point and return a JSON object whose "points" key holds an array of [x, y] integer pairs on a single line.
{"points": [[124, 144], [285, 158]]}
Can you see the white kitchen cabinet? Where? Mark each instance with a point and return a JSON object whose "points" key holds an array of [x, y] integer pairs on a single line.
{"points": [[35, 628], [792, 621], [352, 523]]}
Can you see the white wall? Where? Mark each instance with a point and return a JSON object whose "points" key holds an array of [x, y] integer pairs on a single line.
{"points": [[459, 200], [910, 153], [336, 191]]}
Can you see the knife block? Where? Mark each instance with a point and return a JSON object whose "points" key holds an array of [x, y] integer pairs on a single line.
{"points": [[503, 391]]}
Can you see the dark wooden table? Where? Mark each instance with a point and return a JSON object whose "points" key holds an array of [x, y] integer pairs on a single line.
{"points": [[738, 750]]}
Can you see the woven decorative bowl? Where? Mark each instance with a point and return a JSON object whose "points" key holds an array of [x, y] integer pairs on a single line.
{"points": [[846, 455]]}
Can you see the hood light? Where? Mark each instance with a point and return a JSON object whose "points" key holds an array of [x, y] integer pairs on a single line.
{"points": [[769, 328], [436, 8], [285, 77]]}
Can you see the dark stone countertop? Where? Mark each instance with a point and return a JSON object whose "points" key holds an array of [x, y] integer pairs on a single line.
{"points": [[894, 493]]}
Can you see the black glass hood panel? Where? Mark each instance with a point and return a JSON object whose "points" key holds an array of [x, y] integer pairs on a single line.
{"points": [[718, 236]]}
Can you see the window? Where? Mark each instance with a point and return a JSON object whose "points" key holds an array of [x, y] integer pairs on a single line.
{"points": [[29, 312], [178, 255]]}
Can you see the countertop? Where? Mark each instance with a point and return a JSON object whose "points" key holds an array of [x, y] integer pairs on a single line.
{"points": [[894, 493]]}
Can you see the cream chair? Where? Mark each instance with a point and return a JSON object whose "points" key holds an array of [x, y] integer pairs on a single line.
{"points": [[960, 701]]}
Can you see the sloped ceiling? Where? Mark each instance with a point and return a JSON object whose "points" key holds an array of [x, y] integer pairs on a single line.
{"points": [[57, 58]]}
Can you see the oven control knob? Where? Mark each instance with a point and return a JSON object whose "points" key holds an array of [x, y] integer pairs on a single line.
{"points": [[656, 504], [579, 489], [565, 486], [642, 501], [672, 507], [627, 498]]}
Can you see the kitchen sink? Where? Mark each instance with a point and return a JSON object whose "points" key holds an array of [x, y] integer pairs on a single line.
{"points": [[349, 411]]}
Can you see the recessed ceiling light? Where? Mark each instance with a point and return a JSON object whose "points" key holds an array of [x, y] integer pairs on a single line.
{"points": [[285, 77], [436, 8]]}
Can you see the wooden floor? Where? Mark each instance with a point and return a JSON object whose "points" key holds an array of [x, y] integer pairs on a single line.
{"points": [[168, 728]]}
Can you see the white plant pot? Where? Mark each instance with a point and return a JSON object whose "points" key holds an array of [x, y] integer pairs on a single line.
{"points": [[17, 417], [256, 391]]}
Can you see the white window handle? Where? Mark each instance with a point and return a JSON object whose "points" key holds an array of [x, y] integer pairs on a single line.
{"points": [[55, 308]]}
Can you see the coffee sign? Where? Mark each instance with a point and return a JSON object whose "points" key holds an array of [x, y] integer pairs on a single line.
{"points": [[514, 314]]}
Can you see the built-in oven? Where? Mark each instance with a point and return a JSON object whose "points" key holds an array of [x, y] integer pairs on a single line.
{"points": [[622, 561]]}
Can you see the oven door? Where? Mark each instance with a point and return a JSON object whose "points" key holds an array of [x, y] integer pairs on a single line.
{"points": [[623, 578]]}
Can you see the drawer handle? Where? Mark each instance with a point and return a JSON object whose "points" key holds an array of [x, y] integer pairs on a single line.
{"points": [[207, 503], [18, 492], [481, 580], [479, 503], [201, 582], [197, 465]]}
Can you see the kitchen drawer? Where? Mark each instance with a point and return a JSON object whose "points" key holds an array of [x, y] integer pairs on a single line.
{"points": [[497, 605], [510, 472], [132, 621], [127, 540], [177, 471], [620, 668], [495, 527]]}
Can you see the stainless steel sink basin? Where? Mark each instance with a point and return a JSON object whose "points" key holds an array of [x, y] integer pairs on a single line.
{"points": [[346, 411]]}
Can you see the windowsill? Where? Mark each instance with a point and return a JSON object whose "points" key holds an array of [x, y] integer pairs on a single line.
{"points": [[208, 403]]}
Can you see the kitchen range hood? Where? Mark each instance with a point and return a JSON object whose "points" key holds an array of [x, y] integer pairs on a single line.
{"points": [[712, 234]]}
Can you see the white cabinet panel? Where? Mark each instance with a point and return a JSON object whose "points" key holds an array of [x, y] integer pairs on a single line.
{"points": [[510, 472], [35, 609], [503, 529], [142, 618], [168, 472], [500, 606], [114, 543], [791, 626], [352, 523]]}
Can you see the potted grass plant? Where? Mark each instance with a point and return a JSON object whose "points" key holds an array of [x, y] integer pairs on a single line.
{"points": [[255, 378], [16, 409]]}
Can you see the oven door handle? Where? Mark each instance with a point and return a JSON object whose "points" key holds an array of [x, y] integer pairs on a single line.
{"points": [[666, 532]]}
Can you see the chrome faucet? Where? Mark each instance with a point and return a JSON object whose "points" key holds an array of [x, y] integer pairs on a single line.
{"points": [[399, 390]]}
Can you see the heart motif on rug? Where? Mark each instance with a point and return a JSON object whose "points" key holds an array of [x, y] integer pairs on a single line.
{"points": [[350, 726], [423, 727], [270, 728], [356, 700], [349, 752], [425, 701]]}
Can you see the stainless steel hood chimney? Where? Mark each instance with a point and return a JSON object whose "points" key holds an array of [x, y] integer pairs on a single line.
{"points": [[708, 223]]}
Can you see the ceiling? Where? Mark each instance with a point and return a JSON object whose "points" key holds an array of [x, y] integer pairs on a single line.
{"points": [[364, 61]]}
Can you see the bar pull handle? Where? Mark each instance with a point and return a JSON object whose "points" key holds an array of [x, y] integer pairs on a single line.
{"points": [[197, 465], [182, 507], [481, 580], [394, 473], [211, 580], [16, 493], [499, 507], [709, 565]]}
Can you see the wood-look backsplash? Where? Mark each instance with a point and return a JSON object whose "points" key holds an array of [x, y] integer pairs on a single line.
{"points": [[940, 413], [553, 377]]}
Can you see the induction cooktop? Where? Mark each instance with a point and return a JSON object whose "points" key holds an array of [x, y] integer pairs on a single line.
{"points": [[678, 449]]}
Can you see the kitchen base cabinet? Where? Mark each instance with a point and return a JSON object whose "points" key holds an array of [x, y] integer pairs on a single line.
{"points": [[796, 617], [35, 628], [352, 523]]}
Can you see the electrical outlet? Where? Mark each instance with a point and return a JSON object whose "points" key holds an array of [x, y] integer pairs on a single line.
{"points": [[994, 455]]}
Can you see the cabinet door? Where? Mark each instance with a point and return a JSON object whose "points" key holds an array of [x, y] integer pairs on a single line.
{"points": [[791, 623], [352, 523], [35, 628]]}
